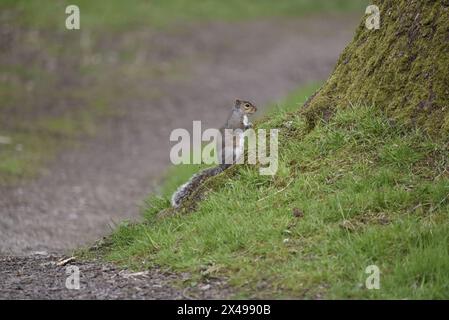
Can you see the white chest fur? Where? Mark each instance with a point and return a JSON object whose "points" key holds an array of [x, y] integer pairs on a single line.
{"points": [[245, 120]]}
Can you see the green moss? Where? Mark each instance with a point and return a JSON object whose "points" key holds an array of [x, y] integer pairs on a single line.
{"points": [[401, 67]]}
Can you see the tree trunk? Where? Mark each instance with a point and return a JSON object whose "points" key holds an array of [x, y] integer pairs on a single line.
{"points": [[402, 67]]}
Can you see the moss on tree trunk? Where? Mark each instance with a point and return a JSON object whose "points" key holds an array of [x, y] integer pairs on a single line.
{"points": [[402, 67]]}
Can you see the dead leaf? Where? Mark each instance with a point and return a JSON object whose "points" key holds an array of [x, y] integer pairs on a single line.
{"points": [[63, 262]]}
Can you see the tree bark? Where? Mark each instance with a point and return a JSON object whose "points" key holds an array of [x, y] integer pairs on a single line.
{"points": [[402, 67]]}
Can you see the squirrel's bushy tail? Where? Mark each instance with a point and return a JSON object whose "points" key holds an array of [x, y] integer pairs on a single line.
{"points": [[195, 181]]}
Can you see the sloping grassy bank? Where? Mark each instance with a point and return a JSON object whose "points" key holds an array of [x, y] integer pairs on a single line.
{"points": [[355, 191]]}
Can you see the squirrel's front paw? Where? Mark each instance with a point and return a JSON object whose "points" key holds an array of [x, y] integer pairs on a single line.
{"points": [[248, 126]]}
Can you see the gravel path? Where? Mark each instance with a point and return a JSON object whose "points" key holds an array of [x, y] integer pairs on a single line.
{"points": [[40, 276], [90, 188]]}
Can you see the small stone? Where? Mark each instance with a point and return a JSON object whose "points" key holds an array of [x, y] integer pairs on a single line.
{"points": [[205, 287], [40, 253], [298, 213]]}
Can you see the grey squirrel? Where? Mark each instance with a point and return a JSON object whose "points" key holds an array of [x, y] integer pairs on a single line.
{"points": [[237, 120]]}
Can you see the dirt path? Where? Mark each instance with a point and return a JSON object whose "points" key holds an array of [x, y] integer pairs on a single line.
{"points": [[39, 276], [78, 198]]}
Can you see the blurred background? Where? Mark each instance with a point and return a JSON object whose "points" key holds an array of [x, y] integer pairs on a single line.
{"points": [[85, 115]]}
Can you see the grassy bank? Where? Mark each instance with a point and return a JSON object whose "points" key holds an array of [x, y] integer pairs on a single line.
{"points": [[358, 190]]}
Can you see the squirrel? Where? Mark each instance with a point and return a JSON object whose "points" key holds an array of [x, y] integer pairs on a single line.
{"points": [[237, 123]]}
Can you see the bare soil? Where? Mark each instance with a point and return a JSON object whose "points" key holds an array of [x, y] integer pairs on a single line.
{"points": [[89, 188]]}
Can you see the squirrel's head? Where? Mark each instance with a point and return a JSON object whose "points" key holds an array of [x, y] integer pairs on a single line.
{"points": [[245, 106]]}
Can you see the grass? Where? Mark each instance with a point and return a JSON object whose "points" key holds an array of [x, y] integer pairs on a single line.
{"points": [[34, 143], [370, 190], [40, 115], [177, 175], [117, 14], [44, 110]]}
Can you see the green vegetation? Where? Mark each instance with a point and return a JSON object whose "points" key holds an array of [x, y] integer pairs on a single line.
{"points": [[402, 67], [356, 190], [35, 142], [71, 82], [40, 114], [177, 175], [363, 180], [117, 14]]}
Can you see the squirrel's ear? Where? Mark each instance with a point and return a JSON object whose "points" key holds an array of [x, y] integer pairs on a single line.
{"points": [[237, 102]]}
